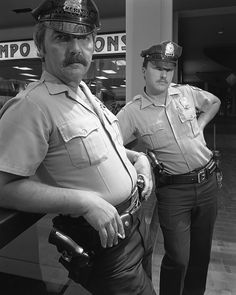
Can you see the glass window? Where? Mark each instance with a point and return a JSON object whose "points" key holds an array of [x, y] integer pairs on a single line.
{"points": [[106, 79]]}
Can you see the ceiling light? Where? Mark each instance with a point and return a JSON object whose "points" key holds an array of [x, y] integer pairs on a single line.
{"points": [[32, 80], [23, 68], [29, 75], [109, 71], [101, 77], [114, 87]]}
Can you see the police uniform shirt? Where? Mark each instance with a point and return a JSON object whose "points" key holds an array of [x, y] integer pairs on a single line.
{"points": [[49, 130], [170, 129]]}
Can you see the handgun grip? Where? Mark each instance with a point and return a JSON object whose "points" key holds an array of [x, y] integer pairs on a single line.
{"points": [[64, 242], [154, 162]]}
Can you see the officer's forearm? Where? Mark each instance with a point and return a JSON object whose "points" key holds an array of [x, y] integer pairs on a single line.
{"points": [[31, 196], [206, 116]]}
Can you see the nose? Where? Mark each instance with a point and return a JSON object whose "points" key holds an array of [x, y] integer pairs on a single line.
{"points": [[163, 73], [74, 45]]}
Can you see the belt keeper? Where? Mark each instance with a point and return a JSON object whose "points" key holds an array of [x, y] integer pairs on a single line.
{"points": [[202, 175]]}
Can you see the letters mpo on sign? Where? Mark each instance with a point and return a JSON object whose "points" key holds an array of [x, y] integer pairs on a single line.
{"points": [[105, 44]]}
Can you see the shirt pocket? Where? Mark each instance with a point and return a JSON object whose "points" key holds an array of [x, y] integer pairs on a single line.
{"points": [[156, 136], [189, 120], [84, 142]]}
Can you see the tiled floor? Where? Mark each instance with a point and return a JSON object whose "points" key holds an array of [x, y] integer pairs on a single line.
{"points": [[222, 269]]}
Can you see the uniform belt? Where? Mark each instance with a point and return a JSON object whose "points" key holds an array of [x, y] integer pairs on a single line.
{"points": [[196, 176], [129, 211], [129, 204]]}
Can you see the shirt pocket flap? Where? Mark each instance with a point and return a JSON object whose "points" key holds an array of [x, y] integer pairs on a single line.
{"points": [[72, 129], [151, 129]]}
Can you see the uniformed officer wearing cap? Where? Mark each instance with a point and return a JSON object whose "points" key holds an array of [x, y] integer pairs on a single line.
{"points": [[63, 134], [169, 120]]}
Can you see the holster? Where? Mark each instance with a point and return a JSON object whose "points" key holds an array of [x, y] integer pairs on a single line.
{"points": [[73, 257], [158, 168], [219, 173]]}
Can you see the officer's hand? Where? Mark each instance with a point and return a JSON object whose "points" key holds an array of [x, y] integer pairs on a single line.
{"points": [[104, 217], [143, 167]]}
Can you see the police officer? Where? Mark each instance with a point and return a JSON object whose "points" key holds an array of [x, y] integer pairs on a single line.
{"points": [[169, 119], [56, 129]]}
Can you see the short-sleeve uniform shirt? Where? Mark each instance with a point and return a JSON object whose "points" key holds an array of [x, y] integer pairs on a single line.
{"points": [[170, 129], [51, 131]]}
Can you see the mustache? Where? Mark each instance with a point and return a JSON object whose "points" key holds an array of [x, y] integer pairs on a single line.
{"points": [[75, 58]]}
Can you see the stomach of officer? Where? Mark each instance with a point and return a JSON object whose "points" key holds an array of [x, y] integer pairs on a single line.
{"points": [[100, 171]]}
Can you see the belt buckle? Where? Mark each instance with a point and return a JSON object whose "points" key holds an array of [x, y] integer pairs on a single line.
{"points": [[201, 176]]}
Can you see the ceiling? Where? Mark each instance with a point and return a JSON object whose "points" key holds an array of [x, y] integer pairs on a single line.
{"points": [[207, 53], [10, 19]]}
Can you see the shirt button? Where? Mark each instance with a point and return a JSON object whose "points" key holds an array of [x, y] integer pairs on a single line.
{"points": [[126, 223]]}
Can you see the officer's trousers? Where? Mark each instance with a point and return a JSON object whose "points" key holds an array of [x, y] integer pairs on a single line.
{"points": [[124, 269], [187, 214]]}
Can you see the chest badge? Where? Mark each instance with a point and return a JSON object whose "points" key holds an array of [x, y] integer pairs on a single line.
{"points": [[184, 102]]}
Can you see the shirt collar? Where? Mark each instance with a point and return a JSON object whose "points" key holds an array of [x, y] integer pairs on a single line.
{"points": [[146, 100], [53, 84], [56, 86]]}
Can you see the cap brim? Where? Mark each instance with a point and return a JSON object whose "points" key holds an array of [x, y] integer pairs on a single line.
{"points": [[164, 64], [70, 28]]}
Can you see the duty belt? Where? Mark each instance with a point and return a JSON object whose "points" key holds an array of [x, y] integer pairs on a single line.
{"points": [[195, 176], [129, 210], [131, 203]]}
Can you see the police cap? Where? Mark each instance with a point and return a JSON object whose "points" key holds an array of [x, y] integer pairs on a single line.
{"points": [[77, 17], [165, 54]]}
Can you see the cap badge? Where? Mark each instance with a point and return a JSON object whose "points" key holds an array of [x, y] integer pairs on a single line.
{"points": [[73, 6], [169, 50]]}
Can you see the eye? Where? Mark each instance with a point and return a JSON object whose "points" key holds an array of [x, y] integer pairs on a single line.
{"points": [[86, 38], [62, 37]]}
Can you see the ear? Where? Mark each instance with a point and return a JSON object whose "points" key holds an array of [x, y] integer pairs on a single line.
{"points": [[144, 72], [40, 52]]}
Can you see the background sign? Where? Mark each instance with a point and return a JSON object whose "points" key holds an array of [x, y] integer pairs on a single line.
{"points": [[105, 44]]}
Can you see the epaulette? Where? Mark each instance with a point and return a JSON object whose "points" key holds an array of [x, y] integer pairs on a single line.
{"points": [[30, 87], [134, 100], [175, 85], [137, 97], [195, 87]]}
